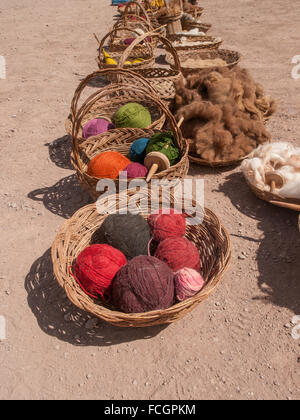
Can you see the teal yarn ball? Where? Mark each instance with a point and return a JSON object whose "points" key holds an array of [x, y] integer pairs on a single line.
{"points": [[138, 150], [132, 115], [164, 143]]}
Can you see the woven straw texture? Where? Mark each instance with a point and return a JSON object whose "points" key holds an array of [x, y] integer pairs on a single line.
{"points": [[277, 200], [161, 78], [205, 43], [232, 58], [210, 238], [109, 101], [120, 140]]}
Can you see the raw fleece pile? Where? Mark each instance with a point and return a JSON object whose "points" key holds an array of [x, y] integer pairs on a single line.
{"points": [[223, 113]]}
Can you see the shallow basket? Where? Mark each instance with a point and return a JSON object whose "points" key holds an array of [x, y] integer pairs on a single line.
{"points": [[144, 52], [161, 79], [109, 102], [120, 140], [75, 235], [231, 58], [196, 13], [188, 25], [207, 43], [276, 200]]}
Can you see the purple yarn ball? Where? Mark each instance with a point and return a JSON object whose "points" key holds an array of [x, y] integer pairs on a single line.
{"points": [[135, 170], [95, 127]]}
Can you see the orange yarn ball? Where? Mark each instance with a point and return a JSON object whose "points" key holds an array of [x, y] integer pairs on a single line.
{"points": [[107, 165]]}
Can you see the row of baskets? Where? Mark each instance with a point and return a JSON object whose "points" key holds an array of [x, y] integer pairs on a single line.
{"points": [[153, 87]]}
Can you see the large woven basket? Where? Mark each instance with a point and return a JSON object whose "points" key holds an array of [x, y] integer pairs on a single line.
{"points": [[75, 235], [143, 52], [162, 79], [231, 58], [120, 140], [109, 102]]}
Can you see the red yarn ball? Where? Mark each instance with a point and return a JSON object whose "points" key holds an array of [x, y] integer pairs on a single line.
{"points": [[167, 225], [95, 268], [144, 284], [178, 253]]}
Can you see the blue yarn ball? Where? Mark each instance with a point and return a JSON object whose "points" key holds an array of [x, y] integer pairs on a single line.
{"points": [[138, 150]]}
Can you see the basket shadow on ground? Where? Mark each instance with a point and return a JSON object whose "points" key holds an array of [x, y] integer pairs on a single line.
{"points": [[279, 250], [59, 318], [63, 198], [60, 152]]}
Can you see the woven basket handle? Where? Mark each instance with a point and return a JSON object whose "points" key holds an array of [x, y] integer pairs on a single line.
{"points": [[113, 32], [118, 72], [142, 22], [116, 89], [167, 44], [138, 5]]}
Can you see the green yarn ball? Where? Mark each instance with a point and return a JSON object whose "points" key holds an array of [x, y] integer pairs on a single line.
{"points": [[164, 143], [132, 115]]}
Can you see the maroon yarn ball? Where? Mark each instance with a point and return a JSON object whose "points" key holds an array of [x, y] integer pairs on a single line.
{"points": [[167, 225], [144, 284], [178, 253]]}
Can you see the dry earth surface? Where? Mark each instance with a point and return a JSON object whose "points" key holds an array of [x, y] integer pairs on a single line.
{"points": [[236, 345]]}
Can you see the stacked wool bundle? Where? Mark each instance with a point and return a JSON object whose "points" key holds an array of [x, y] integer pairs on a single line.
{"points": [[128, 233], [144, 284], [138, 149], [223, 113], [167, 224], [282, 159], [95, 268], [134, 170]]}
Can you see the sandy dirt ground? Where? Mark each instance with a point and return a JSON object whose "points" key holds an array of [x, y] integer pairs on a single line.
{"points": [[236, 345]]}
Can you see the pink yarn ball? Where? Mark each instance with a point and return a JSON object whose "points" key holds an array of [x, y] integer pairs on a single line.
{"points": [[135, 170], [188, 283], [95, 127]]}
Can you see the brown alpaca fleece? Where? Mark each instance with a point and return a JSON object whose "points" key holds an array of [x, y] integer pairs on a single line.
{"points": [[223, 113]]}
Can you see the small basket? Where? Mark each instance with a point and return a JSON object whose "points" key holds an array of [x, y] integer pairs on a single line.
{"points": [[204, 42], [188, 25], [216, 164], [144, 52], [75, 235], [150, 16], [109, 102], [196, 13], [161, 79], [120, 140], [231, 58]]}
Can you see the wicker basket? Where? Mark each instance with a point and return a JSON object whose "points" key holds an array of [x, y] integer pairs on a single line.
{"points": [[277, 200], [196, 13], [232, 58], [162, 79], [120, 140], [144, 52], [149, 15], [205, 42], [75, 235], [109, 102]]}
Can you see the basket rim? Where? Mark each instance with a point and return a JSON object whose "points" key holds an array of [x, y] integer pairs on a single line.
{"points": [[114, 316]]}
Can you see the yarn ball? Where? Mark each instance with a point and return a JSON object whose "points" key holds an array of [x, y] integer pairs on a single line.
{"points": [[144, 284], [132, 115], [164, 143], [95, 268], [95, 127], [178, 253], [135, 170], [129, 233], [138, 150], [167, 224], [188, 282], [107, 165]]}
